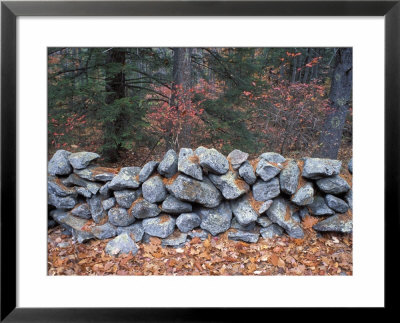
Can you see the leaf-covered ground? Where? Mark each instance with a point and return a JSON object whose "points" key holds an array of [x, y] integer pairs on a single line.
{"points": [[328, 254]]}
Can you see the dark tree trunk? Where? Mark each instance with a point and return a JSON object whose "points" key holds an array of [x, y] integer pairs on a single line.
{"points": [[294, 71], [307, 69], [340, 97]]}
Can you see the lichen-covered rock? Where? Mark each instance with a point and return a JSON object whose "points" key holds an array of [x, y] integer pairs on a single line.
{"points": [[96, 173], [348, 197], [243, 211], [175, 240], [75, 224], [120, 217], [266, 170], [188, 221], [188, 163], [105, 190], [215, 220], [147, 170], [82, 210], [59, 163], [57, 187], [108, 203], [104, 231], [319, 207], [271, 231], [213, 161], [174, 206], [289, 178], [96, 208], [135, 231], [153, 190], [280, 213], [246, 236], [81, 236], [273, 157], [236, 225], [350, 166], [125, 198], [198, 233], [316, 168], [74, 179], [264, 221], [336, 223], [333, 185], [121, 245], [67, 202], [230, 185], [304, 195], [237, 158], [83, 192], [303, 212], [142, 209], [169, 165], [82, 159], [161, 226], [263, 191], [336, 203], [246, 172], [128, 177], [191, 190], [265, 206]]}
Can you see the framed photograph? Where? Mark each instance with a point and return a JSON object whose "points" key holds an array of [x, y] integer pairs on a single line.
{"points": [[185, 154]]}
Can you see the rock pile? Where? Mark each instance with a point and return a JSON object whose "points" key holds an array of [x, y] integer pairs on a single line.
{"points": [[196, 193]]}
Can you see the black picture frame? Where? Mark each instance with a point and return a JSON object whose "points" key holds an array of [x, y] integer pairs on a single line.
{"points": [[11, 10]]}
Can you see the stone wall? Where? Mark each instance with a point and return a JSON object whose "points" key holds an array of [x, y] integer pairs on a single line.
{"points": [[197, 193]]}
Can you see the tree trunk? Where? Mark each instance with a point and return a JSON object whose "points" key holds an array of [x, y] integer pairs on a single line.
{"points": [[294, 71], [340, 97], [307, 69]]}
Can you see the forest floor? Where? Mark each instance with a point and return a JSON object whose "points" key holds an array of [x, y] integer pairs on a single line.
{"points": [[316, 254]]}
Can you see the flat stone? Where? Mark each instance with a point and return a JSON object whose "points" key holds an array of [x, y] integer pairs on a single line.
{"points": [[188, 221], [161, 226], [82, 159], [75, 224], [336, 223], [82, 236], [237, 158], [319, 207], [198, 233], [121, 245], [304, 195], [74, 179], [83, 192], [108, 203], [333, 185], [348, 197], [246, 172], [57, 187], [96, 173], [191, 190], [153, 190], [175, 240], [264, 221], [336, 203], [273, 157], [266, 171], [67, 202], [289, 178], [120, 217], [169, 165], [142, 209], [263, 191], [251, 237], [135, 231], [243, 211], [215, 220], [236, 225], [59, 163], [271, 231], [174, 206], [230, 185], [125, 198], [265, 206], [104, 231], [213, 161], [105, 190], [128, 177], [82, 210], [147, 170], [316, 168], [96, 208], [188, 163]]}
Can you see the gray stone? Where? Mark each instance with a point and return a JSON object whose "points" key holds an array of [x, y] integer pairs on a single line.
{"points": [[188, 164], [200, 150], [271, 231], [230, 185], [304, 195], [82, 236], [147, 170], [264, 221], [169, 165], [296, 217], [105, 190], [135, 231], [303, 212], [237, 158], [125, 198], [215, 220], [153, 190], [161, 226], [263, 191], [266, 170], [333, 185], [146, 238], [348, 197], [121, 244], [51, 224], [246, 172], [198, 233], [251, 237], [289, 178], [108, 203], [59, 164], [265, 206], [120, 217], [336, 223], [82, 210], [175, 240], [236, 225], [75, 224], [188, 221], [319, 207], [277, 213], [350, 166], [191, 190], [67, 202], [82, 159], [273, 157], [74, 179], [213, 161], [336, 203], [96, 208], [96, 173], [174, 206], [316, 168], [104, 231], [57, 187], [83, 192], [142, 209], [243, 211], [126, 178]]}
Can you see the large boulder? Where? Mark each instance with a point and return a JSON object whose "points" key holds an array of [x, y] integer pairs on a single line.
{"points": [[319, 207], [81, 210], [121, 245], [264, 221], [243, 211], [246, 172], [175, 240], [128, 177], [153, 190], [316, 168], [188, 163], [96, 208], [104, 231], [191, 190], [336, 203], [120, 217], [229, 184], [215, 220], [246, 236], [333, 185], [188, 221], [304, 195], [161, 226], [74, 179], [169, 165], [57, 187], [135, 231], [59, 163], [142, 209], [82, 159], [76, 224], [289, 178], [147, 170], [271, 231], [266, 171], [263, 191], [96, 173], [237, 158], [280, 213], [125, 198], [336, 223], [213, 161], [273, 157], [67, 202], [174, 206]]}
